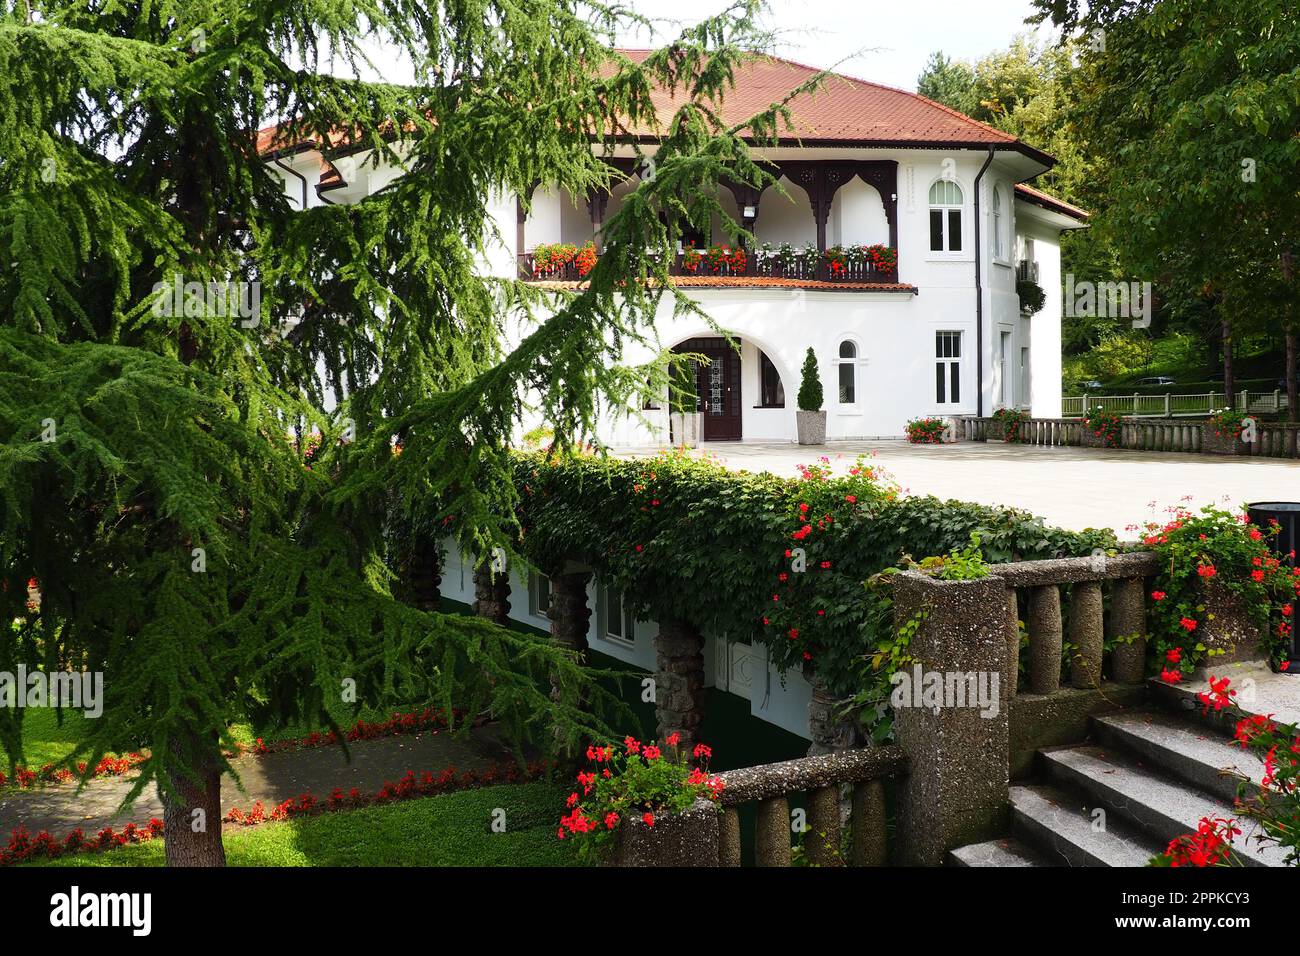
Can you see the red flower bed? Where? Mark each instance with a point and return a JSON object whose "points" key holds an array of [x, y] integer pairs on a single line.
{"points": [[408, 787], [23, 846]]}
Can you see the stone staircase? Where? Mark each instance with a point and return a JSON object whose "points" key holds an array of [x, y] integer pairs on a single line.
{"points": [[1144, 777]]}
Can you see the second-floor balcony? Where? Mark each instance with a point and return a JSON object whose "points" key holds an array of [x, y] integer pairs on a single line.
{"points": [[831, 224], [846, 266]]}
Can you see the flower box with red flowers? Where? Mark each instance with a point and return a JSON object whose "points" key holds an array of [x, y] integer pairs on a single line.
{"points": [[1101, 428], [1222, 433], [627, 793]]}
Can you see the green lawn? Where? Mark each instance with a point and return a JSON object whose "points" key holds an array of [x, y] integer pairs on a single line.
{"points": [[454, 829]]}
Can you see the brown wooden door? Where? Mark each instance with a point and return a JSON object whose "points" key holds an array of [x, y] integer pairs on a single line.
{"points": [[718, 388]]}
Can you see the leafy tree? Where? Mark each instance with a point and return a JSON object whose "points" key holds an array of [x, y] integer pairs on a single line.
{"points": [[947, 81], [810, 386], [210, 564], [1201, 178]]}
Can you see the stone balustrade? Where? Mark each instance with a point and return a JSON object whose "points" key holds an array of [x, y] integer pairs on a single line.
{"points": [[1039, 583], [821, 777], [1270, 439], [1033, 431]]}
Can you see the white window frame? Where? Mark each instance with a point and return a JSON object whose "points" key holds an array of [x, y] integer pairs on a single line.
{"points": [[947, 252], [995, 210], [628, 619], [535, 608], [959, 360], [856, 362], [1026, 377], [1006, 389]]}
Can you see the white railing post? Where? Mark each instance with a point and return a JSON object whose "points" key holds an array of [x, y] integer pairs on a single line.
{"points": [[1168, 405]]}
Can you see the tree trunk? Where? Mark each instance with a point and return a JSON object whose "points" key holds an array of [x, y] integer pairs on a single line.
{"points": [[1292, 411], [192, 815], [1229, 379]]}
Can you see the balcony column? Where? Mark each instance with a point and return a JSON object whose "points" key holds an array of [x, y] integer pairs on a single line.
{"points": [[679, 681], [570, 616], [746, 199], [597, 204], [491, 592]]}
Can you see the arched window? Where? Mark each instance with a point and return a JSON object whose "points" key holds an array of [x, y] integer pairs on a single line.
{"points": [[771, 392], [945, 216], [848, 373], [997, 223]]}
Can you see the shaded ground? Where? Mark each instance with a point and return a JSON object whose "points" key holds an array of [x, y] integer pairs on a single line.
{"points": [[271, 779], [1073, 488], [453, 829]]}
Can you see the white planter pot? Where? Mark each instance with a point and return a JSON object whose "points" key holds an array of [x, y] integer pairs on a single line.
{"points": [[686, 429]]}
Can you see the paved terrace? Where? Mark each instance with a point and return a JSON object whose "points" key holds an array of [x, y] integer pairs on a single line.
{"points": [[1072, 488]]}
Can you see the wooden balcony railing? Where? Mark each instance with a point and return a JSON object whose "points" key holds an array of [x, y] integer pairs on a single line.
{"points": [[755, 267]]}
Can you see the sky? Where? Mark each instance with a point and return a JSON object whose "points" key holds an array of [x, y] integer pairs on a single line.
{"points": [[884, 42]]}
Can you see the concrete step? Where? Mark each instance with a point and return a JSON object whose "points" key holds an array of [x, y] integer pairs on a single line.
{"points": [[1005, 852], [1161, 807], [1067, 830], [1259, 691], [1189, 752]]}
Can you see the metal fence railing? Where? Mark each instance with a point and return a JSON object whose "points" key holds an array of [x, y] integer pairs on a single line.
{"points": [[1172, 406]]}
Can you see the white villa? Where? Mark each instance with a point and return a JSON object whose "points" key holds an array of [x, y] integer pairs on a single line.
{"points": [[942, 333], [867, 165]]}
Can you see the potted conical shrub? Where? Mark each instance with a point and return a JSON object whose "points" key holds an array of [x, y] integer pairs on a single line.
{"points": [[810, 419]]}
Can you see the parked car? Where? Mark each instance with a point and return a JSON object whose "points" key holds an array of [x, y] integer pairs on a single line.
{"points": [[1091, 385], [1156, 380]]}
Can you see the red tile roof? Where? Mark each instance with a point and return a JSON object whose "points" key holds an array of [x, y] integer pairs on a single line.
{"points": [[1039, 198], [846, 111]]}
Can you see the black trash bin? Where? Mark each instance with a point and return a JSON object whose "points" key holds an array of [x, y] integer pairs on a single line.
{"points": [[1287, 542]]}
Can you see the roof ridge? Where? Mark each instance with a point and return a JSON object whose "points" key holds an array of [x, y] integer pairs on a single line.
{"points": [[880, 86]]}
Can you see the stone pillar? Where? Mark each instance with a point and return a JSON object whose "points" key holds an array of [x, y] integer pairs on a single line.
{"points": [[1086, 634], [829, 735], [1013, 645], [1045, 637], [421, 572], [570, 617], [679, 681], [956, 789], [869, 847], [822, 841], [772, 833], [492, 593], [1128, 619], [729, 838]]}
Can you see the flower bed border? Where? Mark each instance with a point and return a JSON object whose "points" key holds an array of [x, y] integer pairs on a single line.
{"points": [[24, 846]]}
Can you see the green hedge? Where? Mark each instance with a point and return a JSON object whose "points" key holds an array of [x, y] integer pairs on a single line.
{"points": [[685, 539]]}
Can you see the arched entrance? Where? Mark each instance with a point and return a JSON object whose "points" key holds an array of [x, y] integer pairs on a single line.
{"points": [[717, 387]]}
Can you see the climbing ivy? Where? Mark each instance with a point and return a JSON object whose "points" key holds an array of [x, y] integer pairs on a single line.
{"points": [[757, 557]]}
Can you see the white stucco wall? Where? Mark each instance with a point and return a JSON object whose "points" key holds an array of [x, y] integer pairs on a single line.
{"points": [[779, 700]]}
